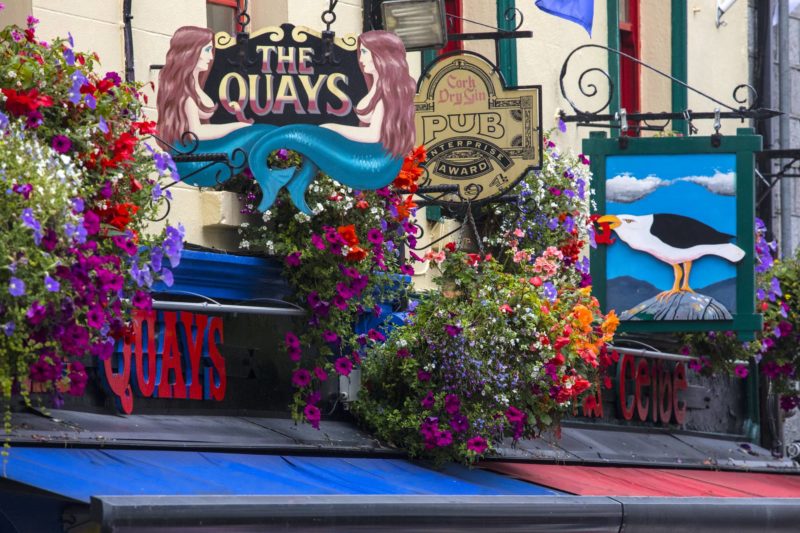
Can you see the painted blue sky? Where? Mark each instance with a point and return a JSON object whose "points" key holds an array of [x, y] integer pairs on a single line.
{"points": [[677, 197]]}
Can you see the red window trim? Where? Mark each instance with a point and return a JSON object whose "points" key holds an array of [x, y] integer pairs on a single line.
{"points": [[229, 3], [455, 8], [630, 90]]}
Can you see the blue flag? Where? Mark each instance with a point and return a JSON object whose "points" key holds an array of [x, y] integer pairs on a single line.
{"points": [[578, 11]]}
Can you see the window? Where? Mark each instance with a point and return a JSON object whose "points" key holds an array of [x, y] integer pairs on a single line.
{"points": [[629, 75], [221, 15], [454, 25]]}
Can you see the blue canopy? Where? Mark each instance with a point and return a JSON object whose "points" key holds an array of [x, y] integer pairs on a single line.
{"points": [[82, 473]]}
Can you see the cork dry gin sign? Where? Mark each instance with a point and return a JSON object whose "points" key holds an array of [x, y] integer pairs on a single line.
{"points": [[479, 134]]}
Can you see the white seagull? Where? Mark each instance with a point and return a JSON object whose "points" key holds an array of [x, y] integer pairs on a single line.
{"points": [[674, 239]]}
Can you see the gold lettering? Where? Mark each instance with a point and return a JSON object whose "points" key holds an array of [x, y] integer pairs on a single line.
{"points": [[306, 60], [237, 107], [313, 91], [333, 87], [255, 85], [265, 52], [287, 94]]}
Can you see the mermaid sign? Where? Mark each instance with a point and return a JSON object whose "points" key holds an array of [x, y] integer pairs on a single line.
{"points": [[352, 120]]}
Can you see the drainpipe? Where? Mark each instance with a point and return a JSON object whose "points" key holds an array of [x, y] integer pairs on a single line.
{"points": [[130, 73], [785, 105], [763, 73]]}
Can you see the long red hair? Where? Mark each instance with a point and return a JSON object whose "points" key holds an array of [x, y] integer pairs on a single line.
{"points": [[396, 89], [176, 81]]}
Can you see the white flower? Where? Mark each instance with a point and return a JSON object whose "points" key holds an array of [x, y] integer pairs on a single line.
{"points": [[267, 216], [245, 245]]}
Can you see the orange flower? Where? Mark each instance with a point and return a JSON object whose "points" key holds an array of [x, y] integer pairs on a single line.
{"points": [[348, 233], [610, 324], [356, 254], [584, 316], [411, 170], [405, 207]]}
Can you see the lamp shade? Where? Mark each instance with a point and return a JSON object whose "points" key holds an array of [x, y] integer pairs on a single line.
{"points": [[419, 23]]}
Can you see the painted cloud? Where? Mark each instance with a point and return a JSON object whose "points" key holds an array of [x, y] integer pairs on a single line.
{"points": [[625, 188], [719, 183]]}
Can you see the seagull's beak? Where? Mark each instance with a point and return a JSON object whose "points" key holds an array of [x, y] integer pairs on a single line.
{"points": [[611, 220]]}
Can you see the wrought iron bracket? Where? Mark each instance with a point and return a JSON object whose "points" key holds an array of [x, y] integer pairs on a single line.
{"points": [[789, 169], [638, 121], [187, 153]]}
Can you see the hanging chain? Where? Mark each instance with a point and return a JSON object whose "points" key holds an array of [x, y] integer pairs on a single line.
{"points": [[328, 50], [242, 17], [328, 16]]}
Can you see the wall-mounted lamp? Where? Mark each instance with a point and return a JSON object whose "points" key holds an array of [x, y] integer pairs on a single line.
{"points": [[419, 23], [722, 7]]}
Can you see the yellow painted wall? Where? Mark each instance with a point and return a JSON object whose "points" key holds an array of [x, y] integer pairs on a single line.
{"points": [[656, 50], [718, 58]]}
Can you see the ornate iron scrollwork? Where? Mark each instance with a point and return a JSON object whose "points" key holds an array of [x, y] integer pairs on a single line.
{"points": [[229, 165], [594, 116]]}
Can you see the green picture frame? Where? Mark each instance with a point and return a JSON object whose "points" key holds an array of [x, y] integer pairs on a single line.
{"points": [[598, 147]]}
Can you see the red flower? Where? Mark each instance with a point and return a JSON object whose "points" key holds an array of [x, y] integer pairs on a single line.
{"points": [[356, 253], [450, 247], [23, 103], [348, 233], [580, 385], [473, 259], [144, 128], [404, 208]]}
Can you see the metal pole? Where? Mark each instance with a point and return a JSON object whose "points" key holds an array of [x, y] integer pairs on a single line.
{"points": [[205, 307], [787, 194]]}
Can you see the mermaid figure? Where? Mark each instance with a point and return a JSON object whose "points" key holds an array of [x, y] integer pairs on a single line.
{"points": [[367, 156]]}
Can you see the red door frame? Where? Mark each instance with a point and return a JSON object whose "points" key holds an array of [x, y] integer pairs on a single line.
{"points": [[454, 25], [630, 72]]}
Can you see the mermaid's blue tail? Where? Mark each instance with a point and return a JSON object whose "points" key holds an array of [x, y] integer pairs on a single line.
{"points": [[271, 184], [354, 164], [299, 183]]}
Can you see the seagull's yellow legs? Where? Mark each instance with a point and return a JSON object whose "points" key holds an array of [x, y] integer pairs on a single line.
{"points": [[687, 268], [675, 286], [678, 287]]}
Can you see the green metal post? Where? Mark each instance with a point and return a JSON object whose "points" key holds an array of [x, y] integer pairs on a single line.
{"points": [[507, 59], [680, 99], [612, 6]]}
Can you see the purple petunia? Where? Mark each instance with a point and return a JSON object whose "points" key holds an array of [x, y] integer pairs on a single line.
{"points": [[549, 291], [301, 378], [51, 284], [293, 259], [9, 327], [343, 366], [330, 336], [452, 330], [428, 401], [452, 404], [16, 287], [375, 236], [477, 445]]}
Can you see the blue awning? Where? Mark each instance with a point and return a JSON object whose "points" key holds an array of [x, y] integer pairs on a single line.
{"points": [[82, 473]]}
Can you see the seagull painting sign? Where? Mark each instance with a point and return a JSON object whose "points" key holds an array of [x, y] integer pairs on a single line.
{"points": [[675, 231]]}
